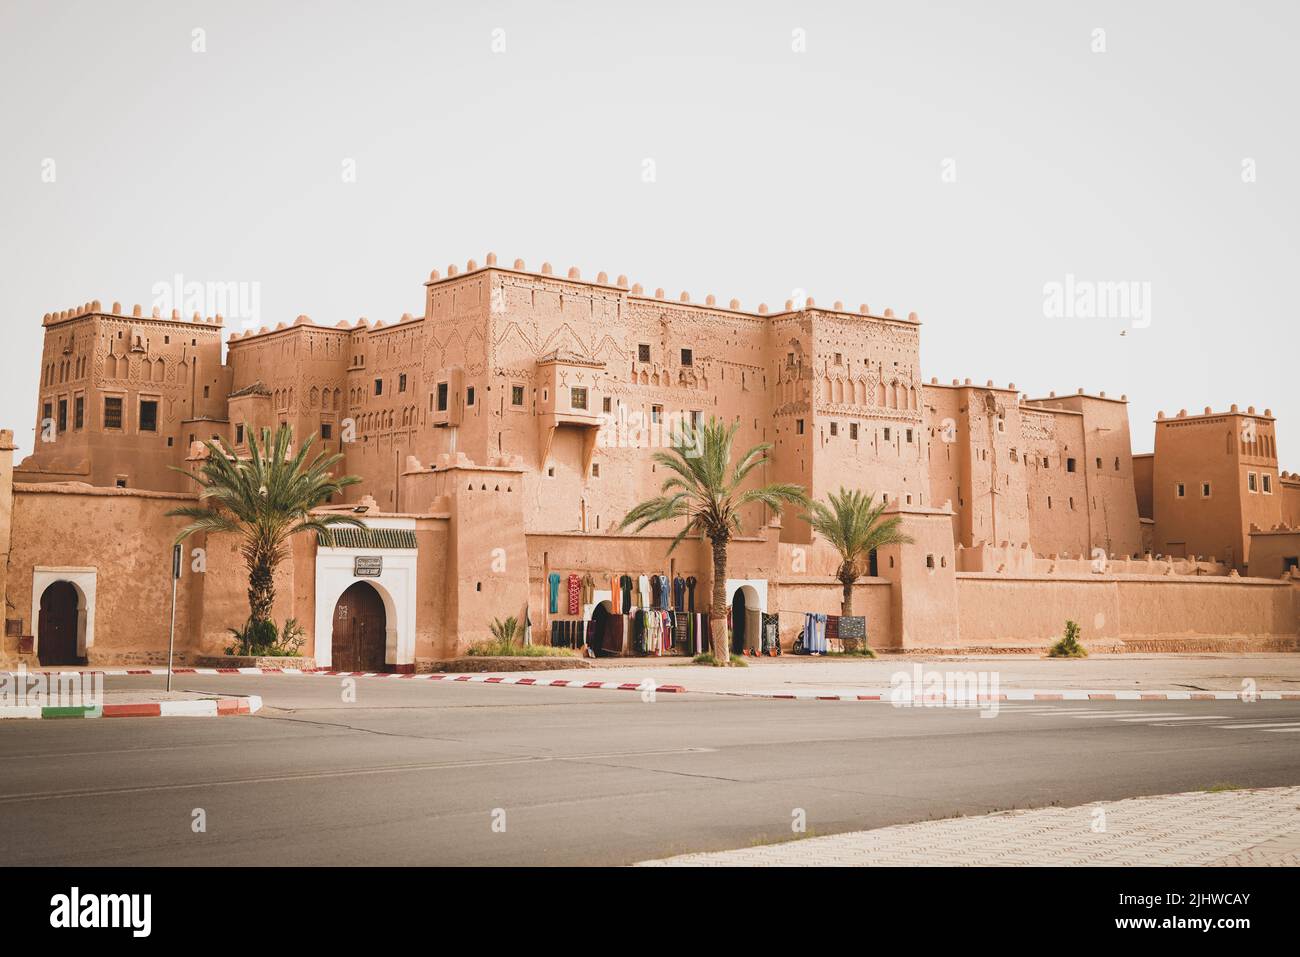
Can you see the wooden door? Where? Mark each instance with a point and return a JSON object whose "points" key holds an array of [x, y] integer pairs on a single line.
{"points": [[57, 633], [360, 630]]}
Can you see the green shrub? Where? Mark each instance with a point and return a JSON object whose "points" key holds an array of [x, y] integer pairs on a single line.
{"points": [[708, 659], [500, 649], [1069, 647], [264, 639]]}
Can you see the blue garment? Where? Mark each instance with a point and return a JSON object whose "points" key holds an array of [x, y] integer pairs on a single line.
{"points": [[814, 633], [554, 580]]}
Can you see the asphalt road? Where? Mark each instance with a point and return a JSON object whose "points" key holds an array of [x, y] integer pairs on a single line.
{"points": [[420, 772]]}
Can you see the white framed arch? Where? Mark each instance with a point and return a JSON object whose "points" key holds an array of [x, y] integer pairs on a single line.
{"points": [[756, 589], [396, 585], [83, 579]]}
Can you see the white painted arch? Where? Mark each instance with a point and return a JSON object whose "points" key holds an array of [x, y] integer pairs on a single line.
{"points": [[396, 585], [757, 589], [81, 578]]}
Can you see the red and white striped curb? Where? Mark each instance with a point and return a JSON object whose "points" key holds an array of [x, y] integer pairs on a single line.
{"points": [[867, 694], [205, 708], [471, 677]]}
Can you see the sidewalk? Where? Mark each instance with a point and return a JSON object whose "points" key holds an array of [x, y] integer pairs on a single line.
{"points": [[1247, 828], [805, 676]]}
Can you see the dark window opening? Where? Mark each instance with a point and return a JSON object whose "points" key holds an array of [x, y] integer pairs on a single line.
{"points": [[112, 412], [148, 415], [643, 352]]}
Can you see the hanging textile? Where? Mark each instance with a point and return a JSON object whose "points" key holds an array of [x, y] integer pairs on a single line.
{"points": [[553, 580], [568, 633], [813, 636], [660, 586], [690, 592], [679, 593], [653, 631], [643, 592], [575, 591], [625, 593], [588, 589], [616, 639]]}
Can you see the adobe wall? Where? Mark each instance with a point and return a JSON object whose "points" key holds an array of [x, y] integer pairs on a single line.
{"points": [[1169, 613], [126, 536]]}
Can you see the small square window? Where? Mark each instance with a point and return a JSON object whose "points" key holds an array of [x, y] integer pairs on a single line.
{"points": [[239, 434], [578, 398], [909, 435], [607, 404], [835, 428], [79, 412], [643, 352], [1180, 490], [696, 418], [1099, 461], [442, 397], [595, 470], [1252, 482], [853, 430], [688, 357], [887, 433], [656, 414], [1069, 465], [469, 395], [798, 426], [121, 483], [550, 471], [379, 387], [401, 382], [63, 415], [205, 391], [1268, 484], [516, 395], [326, 431], [1205, 490]]}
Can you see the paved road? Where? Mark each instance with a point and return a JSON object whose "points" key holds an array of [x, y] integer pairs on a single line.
{"points": [[412, 772]]}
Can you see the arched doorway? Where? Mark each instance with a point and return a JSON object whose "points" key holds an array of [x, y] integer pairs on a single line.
{"points": [[57, 630], [746, 620], [360, 630]]}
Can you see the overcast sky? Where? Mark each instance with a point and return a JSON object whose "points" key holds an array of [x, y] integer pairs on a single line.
{"points": [[949, 159]]}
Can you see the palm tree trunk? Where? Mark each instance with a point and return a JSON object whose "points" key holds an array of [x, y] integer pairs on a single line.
{"points": [[719, 639], [261, 584], [846, 599]]}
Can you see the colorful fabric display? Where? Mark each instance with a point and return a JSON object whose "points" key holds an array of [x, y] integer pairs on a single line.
{"points": [[575, 591]]}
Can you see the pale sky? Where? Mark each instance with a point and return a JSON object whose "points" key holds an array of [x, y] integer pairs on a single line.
{"points": [[944, 158]]}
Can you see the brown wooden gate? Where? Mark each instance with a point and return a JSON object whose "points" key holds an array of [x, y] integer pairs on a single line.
{"points": [[360, 630], [57, 634]]}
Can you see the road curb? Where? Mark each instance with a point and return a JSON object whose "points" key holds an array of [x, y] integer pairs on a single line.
{"points": [[865, 694], [205, 708]]}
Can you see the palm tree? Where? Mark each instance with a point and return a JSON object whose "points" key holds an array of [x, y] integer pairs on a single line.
{"points": [[266, 498], [852, 524], [701, 491]]}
